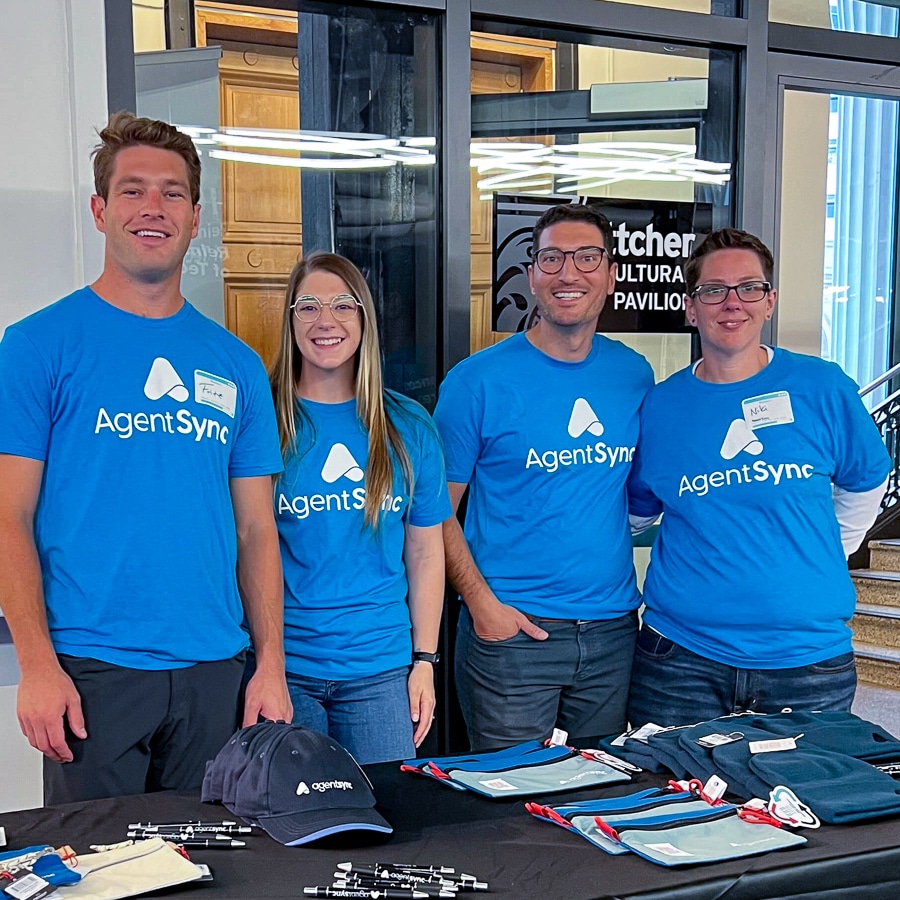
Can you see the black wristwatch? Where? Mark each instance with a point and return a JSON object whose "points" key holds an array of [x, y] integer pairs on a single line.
{"points": [[422, 656]]}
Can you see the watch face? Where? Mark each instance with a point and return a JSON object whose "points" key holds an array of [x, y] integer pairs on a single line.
{"points": [[420, 656]]}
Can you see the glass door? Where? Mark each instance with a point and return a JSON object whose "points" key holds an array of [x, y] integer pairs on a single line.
{"points": [[559, 115], [839, 190]]}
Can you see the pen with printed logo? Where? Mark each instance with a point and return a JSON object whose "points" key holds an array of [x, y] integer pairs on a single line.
{"points": [[438, 887], [370, 883], [445, 872], [371, 868], [387, 875], [179, 836], [209, 843], [385, 894], [226, 827]]}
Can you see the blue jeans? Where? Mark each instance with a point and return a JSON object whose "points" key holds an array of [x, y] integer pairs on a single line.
{"points": [[519, 689], [367, 716], [670, 685]]}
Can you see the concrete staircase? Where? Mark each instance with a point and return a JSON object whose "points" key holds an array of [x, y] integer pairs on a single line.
{"points": [[876, 625]]}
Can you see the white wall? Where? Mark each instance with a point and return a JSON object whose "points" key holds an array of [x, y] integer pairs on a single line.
{"points": [[52, 94], [52, 97]]}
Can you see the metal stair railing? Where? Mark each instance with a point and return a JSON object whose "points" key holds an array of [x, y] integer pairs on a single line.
{"points": [[886, 416]]}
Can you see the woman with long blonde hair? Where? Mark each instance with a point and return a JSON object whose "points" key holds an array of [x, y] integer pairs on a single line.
{"points": [[359, 510]]}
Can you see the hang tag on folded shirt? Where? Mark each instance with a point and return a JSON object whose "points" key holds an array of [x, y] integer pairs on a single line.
{"points": [[646, 731], [785, 806], [27, 886], [717, 739], [558, 738], [773, 746]]}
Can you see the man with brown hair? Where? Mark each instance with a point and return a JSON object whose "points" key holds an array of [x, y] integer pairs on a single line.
{"points": [[136, 518]]}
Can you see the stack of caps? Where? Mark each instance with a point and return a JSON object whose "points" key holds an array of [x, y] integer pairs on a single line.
{"points": [[297, 784]]}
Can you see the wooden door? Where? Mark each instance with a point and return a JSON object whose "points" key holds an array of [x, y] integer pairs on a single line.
{"points": [[499, 66], [261, 221]]}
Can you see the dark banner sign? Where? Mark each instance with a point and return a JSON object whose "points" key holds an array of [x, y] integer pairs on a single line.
{"points": [[652, 240]]}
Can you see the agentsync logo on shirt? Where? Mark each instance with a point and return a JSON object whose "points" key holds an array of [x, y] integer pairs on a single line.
{"points": [[738, 438], [163, 381], [582, 419], [741, 438], [302, 789], [341, 464], [338, 464]]}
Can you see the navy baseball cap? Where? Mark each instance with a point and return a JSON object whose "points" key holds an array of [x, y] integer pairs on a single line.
{"points": [[297, 784]]}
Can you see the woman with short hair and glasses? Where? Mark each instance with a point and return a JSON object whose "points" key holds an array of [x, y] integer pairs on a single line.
{"points": [[359, 510], [768, 471]]}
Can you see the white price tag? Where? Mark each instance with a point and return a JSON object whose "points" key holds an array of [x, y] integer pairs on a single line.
{"points": [[668, 849], [646, 731], [715, 788], [773, 746], [498, 784], [717, 739], [559, 737]]}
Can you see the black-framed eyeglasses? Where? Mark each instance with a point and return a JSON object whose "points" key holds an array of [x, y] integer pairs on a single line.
{"points": [[550, 260], [715, 293], [308, 308]]}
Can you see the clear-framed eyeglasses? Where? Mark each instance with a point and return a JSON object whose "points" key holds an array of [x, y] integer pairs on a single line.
{"points": [[550, 260], [308, 308], [714, 293]]}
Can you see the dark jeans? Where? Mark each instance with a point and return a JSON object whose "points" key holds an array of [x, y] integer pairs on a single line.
{"points": [[148, 730], [519, 689], [367, 716], [670, 685]]}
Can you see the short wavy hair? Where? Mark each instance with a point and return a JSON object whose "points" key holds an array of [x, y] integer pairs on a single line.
{"points": [[123, 130], [727, 239], [575, 212]]}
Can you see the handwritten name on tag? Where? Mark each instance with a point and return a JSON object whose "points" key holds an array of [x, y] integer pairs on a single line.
{"points": [[768, 409]]}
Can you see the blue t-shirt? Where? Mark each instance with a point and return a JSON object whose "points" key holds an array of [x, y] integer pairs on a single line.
{"points": [[345, 587], [140, 424], [546, 447], [748, 567]]}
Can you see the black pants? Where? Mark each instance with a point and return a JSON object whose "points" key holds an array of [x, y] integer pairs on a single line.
{"points": [[148, 730]]}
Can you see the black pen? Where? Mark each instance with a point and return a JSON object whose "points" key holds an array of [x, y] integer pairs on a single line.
{"points": [[438, 887], [374, 884], [179, 836], [406, 867], [387, 875], [227, 844], [444, 872], [223, 827], [385, 894]]}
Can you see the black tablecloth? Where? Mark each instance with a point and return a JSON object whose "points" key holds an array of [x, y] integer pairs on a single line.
{"points": [[496, 840]]}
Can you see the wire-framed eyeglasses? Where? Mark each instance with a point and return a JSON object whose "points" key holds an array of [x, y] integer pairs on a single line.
{"points": [[714, 293], [550, 260], [308, 308]]}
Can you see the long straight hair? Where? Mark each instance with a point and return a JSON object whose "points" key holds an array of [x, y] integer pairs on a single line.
{"points": [[371, 400]]}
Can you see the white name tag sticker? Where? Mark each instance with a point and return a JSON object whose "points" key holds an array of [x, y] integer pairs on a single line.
{"points": [[213, 390], [768, 409], [498, 784]]}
